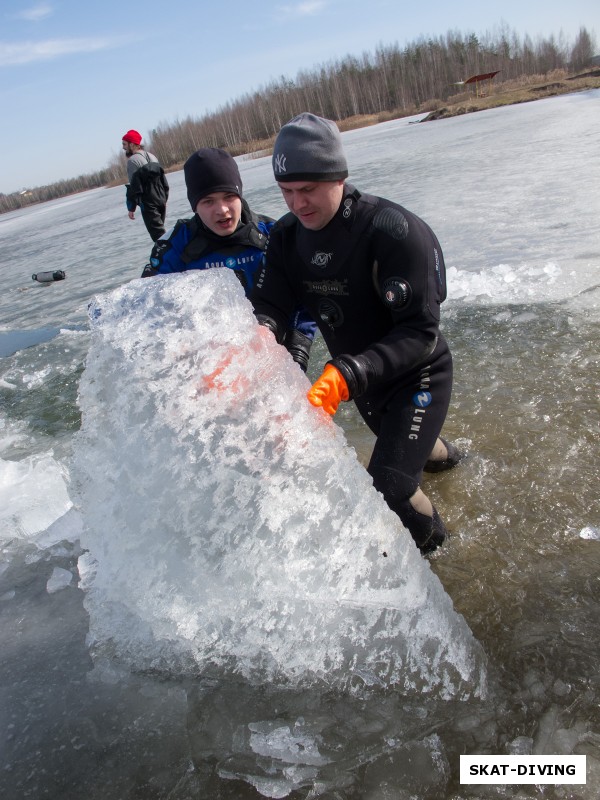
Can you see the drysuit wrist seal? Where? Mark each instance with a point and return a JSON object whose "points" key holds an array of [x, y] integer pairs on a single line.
{"points": [[298, 345], [355, 372]]}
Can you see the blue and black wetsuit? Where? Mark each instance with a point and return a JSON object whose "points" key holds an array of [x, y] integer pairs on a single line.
{"points": [[373, 278], [191, 245]]}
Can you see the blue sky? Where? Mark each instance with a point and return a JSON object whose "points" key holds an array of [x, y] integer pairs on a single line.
{"points": [[74, 76]]}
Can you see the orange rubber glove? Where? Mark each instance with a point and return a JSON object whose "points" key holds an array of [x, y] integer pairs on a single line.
{"points": [[329, 390]]}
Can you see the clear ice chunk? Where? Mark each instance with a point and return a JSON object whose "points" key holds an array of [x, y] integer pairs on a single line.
{"points": [[228, 523]]}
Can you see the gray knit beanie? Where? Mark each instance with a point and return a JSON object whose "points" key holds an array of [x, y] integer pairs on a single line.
{"points": [[309, 148]]}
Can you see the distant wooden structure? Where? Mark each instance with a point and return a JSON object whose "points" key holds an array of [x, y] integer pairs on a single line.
{"points": [[477, 79]]}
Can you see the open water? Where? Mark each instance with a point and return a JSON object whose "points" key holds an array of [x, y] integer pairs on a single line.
{"points": [[180, 614]]}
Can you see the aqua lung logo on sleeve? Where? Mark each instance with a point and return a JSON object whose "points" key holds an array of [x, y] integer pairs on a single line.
{"points": [[231, 262], [438, 271], [421, 400]]}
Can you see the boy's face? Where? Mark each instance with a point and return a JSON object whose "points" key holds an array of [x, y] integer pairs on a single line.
{"points": [[315, 203], [220, 212]]}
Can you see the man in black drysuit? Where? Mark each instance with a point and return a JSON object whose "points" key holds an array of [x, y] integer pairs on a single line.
{"points": [[372, 275]]}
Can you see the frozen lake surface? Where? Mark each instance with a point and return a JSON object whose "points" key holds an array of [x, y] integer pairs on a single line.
{"points": [[119, 563]]}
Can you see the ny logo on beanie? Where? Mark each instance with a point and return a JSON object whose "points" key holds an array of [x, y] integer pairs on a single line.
{"points": [[280, 160]]}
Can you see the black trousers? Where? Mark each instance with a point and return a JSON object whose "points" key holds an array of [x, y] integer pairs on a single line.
{"points": [[407, 423], [154, 219]]}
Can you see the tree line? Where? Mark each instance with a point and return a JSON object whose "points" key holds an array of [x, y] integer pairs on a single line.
{"points": [[391, 81]]}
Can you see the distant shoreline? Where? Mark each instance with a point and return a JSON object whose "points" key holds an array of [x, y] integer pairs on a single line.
{"points": [[468, 102], [485, 95]]}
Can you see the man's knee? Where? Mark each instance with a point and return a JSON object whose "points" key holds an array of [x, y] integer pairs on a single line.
{"points": [[397, 488]]}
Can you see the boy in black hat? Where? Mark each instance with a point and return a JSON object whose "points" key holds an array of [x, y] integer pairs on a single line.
{"points": [[224, 232], [372, 275]]}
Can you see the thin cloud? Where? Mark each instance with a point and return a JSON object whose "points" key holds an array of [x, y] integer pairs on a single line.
{"points": [[35, 13], [307, 8], [14, 54]]}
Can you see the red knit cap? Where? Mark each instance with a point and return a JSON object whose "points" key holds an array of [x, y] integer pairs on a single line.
{"points": [[133, 136]]}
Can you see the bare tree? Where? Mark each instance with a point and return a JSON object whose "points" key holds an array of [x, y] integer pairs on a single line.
{"points": [[583, 50], [391, 81]]}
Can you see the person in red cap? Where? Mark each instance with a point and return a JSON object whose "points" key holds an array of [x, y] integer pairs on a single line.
{"points": [[147, 188]]}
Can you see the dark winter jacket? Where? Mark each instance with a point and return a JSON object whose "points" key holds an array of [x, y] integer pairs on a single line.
{"points": [[148, 185]]}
